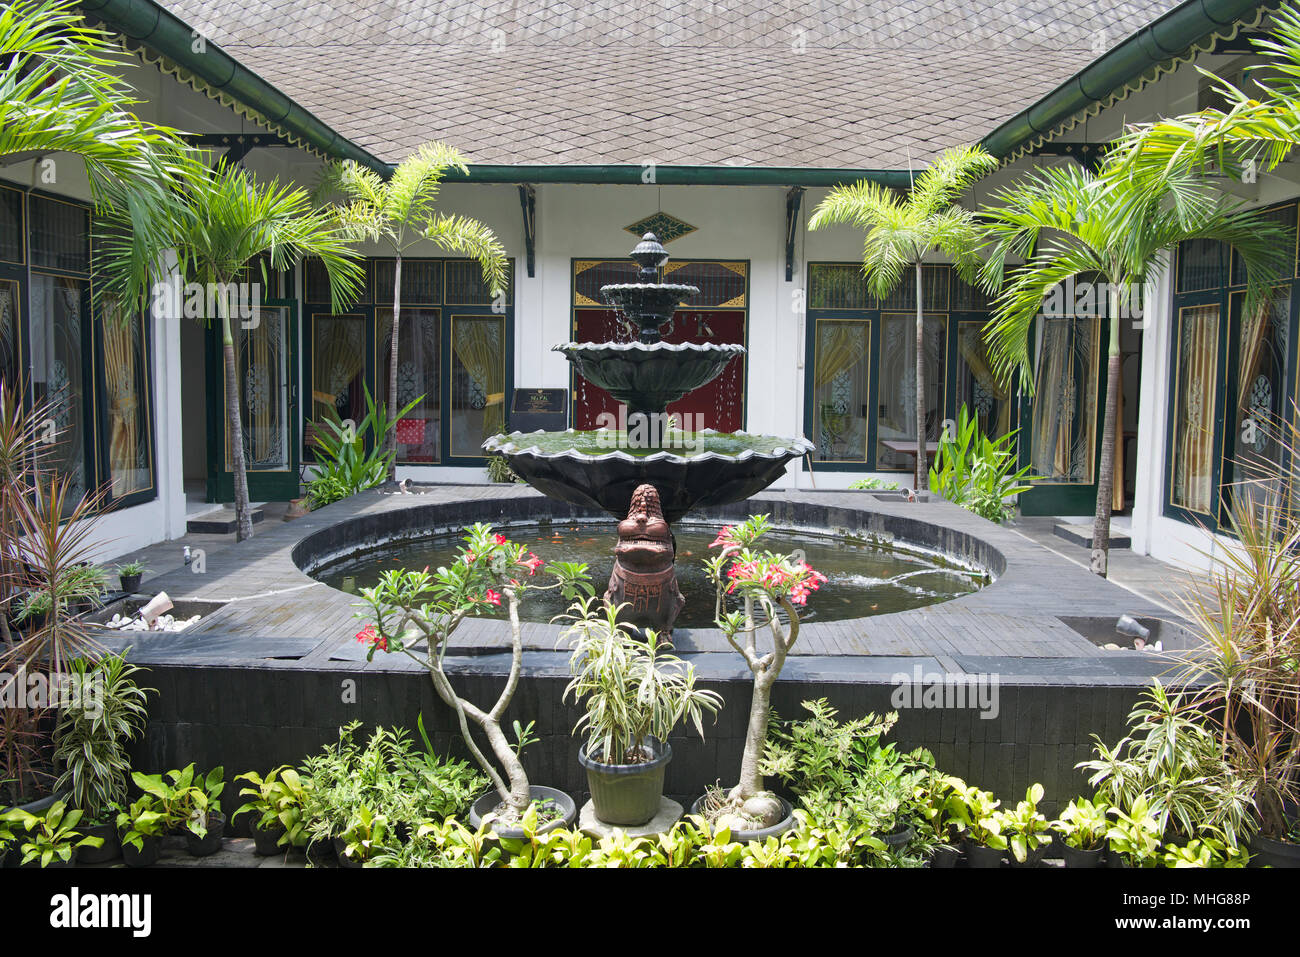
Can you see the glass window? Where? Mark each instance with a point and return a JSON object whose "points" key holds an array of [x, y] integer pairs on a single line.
{"points": [[60, 235], [896, 416], [1200, 265], [1065, 400], [838, 286], [262, 351], [126, 405], [841, 387], [10, 354], [11, 225], [478, 381], [977, 388], [419, 434], [1195, 394], [1260, 398], [57, 326], [338, 369]]}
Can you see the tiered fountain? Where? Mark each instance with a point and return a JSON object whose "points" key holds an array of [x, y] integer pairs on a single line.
{"points": [[648, 485]]}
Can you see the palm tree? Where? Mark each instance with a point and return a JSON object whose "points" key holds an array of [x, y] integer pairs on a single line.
{"points": [[901, 232], [1063, 222], [1257, 129], [57, 95], [398, 212], [228, 222]]}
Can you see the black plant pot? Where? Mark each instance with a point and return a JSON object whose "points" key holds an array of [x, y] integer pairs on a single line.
{"points": [[977, 855], [1114, 859], [486, 804], [266, 842], [761, 834], [627, 795], [130, 583], [210, 843], [108, 851], [150, 848], [340, 847], [320, 853], [945, 856], [1033, 859], [1267, 852], [898, 837], [1078, 857]]}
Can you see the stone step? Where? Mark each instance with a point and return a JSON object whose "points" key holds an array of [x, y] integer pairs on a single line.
{"points": [[1081, 534], [220, 522]]}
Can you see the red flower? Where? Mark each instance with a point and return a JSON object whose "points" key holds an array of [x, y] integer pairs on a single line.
{"points": [[499, 539], [491, 597], [369, 636], [532, 563], [724, 537]]}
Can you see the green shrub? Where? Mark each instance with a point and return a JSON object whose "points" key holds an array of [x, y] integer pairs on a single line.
{"points": [[351, 458], [975, 472]]}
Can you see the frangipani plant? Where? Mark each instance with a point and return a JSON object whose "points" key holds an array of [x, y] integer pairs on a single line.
{"points": [[416, 613], [767, 584]]}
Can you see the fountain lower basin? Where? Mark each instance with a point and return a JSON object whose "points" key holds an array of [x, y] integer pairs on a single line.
{"points": [[601, 468]]}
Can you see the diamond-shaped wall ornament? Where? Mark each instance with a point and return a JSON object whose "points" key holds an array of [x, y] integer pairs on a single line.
{"points": [[666, 227]]}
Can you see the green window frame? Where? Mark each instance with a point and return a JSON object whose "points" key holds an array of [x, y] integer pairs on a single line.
{"points": [[444, 288], [836, 292], [45, 242], [1208, 277]]}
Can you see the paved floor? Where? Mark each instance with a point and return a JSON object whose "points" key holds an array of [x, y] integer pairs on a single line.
{"points": [[1143, 575], [235, 853]]}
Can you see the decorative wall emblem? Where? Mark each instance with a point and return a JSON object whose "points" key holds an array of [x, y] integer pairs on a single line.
{"points": [[666, 227]]}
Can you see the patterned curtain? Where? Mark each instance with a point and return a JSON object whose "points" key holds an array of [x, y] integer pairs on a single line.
{"points": [[9, 371], [1194, 424], [478, 346], [1065, 401], [128, 454]]}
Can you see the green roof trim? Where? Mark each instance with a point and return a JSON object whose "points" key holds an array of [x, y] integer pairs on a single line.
{"points": [[145, 22], [1168, 38], [679, 175]]}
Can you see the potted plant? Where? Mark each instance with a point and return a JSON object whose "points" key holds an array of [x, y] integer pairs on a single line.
{"points": [[190, 803], [1025, 830], [1083, 826], [366, 835], [90, 745], [1133, 840], [767, 585], [52, 839], [634, 695], [408, 609], [975, 814], [130, 574], [140, 829], [278, 801]]}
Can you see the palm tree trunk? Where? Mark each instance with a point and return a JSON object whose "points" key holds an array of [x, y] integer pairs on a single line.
{"points": [[238, 470], [922, 462], [1100, 561], [390, 440]]}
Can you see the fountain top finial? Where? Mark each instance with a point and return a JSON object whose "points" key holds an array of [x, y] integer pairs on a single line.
{"points": [[650, 255]]}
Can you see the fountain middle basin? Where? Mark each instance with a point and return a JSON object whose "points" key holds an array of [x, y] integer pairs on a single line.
{"points": [[601, 469]]}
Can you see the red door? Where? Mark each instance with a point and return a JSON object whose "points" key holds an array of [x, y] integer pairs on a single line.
{"points": [[720, 405]]}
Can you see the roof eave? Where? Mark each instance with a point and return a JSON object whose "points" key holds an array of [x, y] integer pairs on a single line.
{"points": [[1128, 66]]}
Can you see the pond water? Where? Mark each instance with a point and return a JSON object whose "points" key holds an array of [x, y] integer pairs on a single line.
{"points": [[864, 578]]}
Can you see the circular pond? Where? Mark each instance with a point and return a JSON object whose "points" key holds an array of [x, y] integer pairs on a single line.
{"points": [[865, 578]]}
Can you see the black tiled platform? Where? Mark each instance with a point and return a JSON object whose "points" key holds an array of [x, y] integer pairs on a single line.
{"points": [[271, 675]]}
